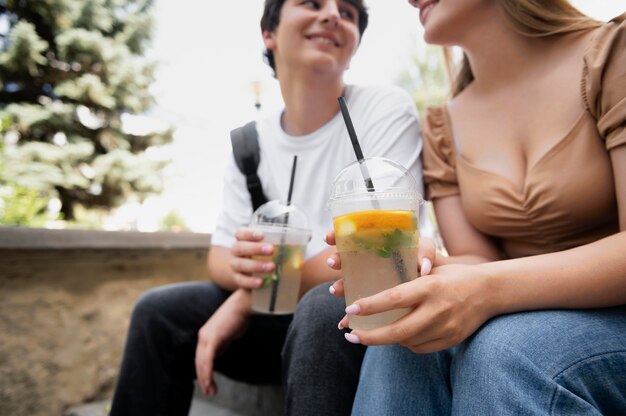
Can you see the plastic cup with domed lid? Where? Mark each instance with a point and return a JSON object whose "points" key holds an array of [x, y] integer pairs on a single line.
{"points": [[286, 227], [375, 208]]}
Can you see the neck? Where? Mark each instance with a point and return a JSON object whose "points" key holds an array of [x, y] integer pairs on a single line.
{"points": [[310, 101], [499, 56]]}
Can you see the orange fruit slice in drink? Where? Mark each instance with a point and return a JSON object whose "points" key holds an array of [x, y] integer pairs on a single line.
{"points": [[356, 221]]}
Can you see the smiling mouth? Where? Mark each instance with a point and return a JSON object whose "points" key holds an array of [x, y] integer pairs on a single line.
{"points": [[323, 40], [425, 8]]}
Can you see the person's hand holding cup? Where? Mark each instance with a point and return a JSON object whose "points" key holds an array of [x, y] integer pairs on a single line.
{"points": [[375, 207], [285, 229], [250, 246]]}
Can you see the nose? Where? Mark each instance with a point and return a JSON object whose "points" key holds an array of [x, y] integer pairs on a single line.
{"points": [[330, 14]]}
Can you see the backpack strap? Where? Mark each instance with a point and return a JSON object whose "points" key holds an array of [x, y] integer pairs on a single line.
{"points": [[247, 156]]}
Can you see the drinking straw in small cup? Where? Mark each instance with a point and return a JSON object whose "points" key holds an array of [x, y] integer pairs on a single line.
{"points": [[281, 249]]}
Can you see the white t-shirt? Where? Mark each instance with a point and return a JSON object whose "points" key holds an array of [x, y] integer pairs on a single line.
{"points": [[386, 122]]}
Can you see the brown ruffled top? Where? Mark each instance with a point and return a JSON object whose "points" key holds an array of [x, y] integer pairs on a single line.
{"points": [[568, 197]]}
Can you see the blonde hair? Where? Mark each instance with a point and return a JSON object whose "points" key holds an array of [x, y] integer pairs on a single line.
{"points": [[533, 18]]}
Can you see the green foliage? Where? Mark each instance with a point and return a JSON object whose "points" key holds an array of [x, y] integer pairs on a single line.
{"points": [[173, 221], [71, 73], [25, 50], [21, 206], [426, 78]]}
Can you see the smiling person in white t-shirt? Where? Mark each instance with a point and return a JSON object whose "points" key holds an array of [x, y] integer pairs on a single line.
{"points": [[188, 330]]}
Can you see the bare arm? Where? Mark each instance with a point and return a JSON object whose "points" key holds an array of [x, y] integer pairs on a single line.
{"points": [[228, 323], [464, 243]]}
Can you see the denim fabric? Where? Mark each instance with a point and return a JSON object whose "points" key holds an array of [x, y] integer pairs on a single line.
{"points": [[320, 368], [157, 371], [556, 362]]}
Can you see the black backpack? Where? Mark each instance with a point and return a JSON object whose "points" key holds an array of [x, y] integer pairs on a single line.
{"points": [[247, 156]]}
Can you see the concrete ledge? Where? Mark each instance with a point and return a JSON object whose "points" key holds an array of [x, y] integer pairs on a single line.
{"points": [[65, 303], [19, 238]]}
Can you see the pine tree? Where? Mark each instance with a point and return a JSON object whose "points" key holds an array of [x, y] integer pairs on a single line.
{"points": [[72, 73]]}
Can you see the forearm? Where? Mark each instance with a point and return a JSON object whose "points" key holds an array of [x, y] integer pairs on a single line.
{"points": [[218, 265], [441, 260], [589, 276]]}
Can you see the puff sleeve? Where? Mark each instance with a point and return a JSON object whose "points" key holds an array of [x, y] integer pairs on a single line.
{"points": [[439, 155], [604, 81]]}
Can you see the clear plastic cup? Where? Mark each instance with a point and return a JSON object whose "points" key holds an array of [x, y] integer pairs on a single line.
{"points": [[377, 232], [287, 229]]}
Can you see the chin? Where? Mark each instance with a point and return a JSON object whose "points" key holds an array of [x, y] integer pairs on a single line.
{"points": [[435, 34]]}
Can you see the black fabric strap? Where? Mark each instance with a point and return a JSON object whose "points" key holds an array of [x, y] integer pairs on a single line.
{"points": [[247, 156]]}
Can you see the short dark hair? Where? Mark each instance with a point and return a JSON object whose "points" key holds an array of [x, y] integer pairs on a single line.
{"points": [[271, 17]]}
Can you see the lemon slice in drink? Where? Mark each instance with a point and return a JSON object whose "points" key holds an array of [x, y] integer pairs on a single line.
{"points": [[296, 262], [344, 227]]}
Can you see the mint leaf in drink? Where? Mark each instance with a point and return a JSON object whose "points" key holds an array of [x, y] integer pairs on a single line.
{"points": [[397, 239], [268, 279]]}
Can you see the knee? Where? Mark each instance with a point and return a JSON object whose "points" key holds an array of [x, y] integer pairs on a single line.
{"points": [[319, 309], [148, 304], [508, 344]]}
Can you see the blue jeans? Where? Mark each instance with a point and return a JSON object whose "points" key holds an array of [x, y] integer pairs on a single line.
{"points": [[555, 362]]}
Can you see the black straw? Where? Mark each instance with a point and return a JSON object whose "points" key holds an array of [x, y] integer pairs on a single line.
{"points": [[291, 181], [355, 144], [281, 250], [397, 258]]}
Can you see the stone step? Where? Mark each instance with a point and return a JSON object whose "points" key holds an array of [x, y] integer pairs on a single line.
{"points": [[233, 399]]}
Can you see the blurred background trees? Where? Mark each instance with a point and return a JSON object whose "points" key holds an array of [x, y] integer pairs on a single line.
{"points": [[74, 88], [425, 79]]}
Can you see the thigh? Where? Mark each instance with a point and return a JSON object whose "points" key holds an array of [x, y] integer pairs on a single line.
{"points": [[177, 311], [544, 362], [256, 356], [396, 381], [320, 368]]}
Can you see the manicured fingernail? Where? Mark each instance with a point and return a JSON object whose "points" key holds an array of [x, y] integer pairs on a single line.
{"points": [[353, 338], [330, 262], [353, 309], [331, 289], [257, 234], [267, 267], [325, 238], [340, 326], [426, 266], [267, 249]]}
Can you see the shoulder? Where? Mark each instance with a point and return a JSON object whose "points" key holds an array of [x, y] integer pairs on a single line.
{"points": [[437, 123], [438, 135], [603, 84], [604, 60], [268, 128], [377, 99]]}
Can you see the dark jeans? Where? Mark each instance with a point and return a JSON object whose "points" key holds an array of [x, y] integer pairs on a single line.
{"points": [[319, 368]]}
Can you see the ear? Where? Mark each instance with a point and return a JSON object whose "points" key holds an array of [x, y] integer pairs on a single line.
{"points": [[268, 39]]}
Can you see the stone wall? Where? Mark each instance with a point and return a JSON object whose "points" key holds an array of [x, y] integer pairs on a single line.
{"points": [[65, 300]]}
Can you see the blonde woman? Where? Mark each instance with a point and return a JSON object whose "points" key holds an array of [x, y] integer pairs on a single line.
{"points": [[526, 167]]}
